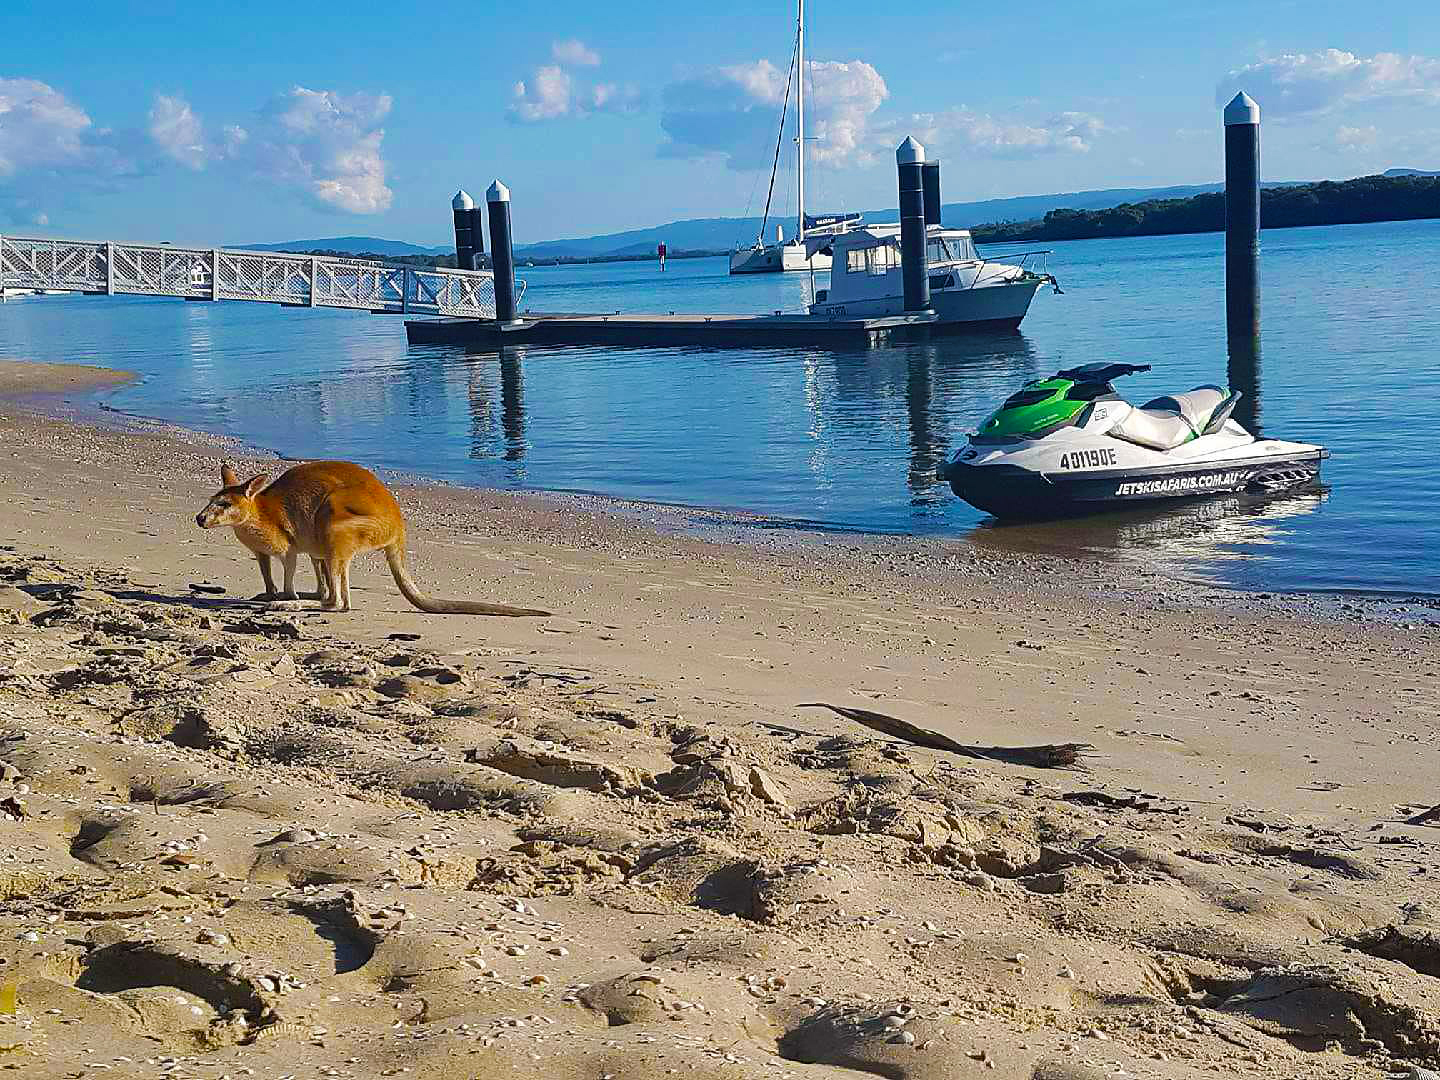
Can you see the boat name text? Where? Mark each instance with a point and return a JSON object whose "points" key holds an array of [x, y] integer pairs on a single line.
{"points": [[1172, 484]]}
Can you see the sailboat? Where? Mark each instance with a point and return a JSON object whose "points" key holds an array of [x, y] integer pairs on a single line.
{"points": [[760, 257]]}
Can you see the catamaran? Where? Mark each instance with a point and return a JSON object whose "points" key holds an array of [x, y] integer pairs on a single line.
{"points": [[782, 255]]}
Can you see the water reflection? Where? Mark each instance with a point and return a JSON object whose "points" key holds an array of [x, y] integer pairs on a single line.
{"points": [[928, 441], [512, 404], [964, 368], [1193, 537], [481, 394]]}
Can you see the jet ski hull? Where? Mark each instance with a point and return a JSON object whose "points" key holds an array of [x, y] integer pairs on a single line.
{"points": [[1012, 491]]}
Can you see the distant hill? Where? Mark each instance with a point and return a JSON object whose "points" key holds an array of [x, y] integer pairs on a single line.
{"points": [[351, 245], [1403, 197], [722, 234]]}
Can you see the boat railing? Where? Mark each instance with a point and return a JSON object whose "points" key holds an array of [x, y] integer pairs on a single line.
{"points": [[1022, 259]]}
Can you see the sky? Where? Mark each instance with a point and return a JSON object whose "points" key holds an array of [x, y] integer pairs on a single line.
{"points": [[215, 124]]}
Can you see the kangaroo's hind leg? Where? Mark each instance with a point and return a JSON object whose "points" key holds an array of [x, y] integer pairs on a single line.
{"points": [[344, 582]]}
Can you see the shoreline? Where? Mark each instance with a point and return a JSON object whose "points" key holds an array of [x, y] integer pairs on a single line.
{"points": [[655, 834], [723, 524], [927, 579]]}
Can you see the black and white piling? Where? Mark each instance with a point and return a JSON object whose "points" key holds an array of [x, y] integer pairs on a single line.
{"points": [[1242, 218], [497, 203], [909, 165], [464, 207], [931, 175]]}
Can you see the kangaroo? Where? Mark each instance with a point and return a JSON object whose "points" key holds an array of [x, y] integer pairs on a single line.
{"points": [[330, 511]]}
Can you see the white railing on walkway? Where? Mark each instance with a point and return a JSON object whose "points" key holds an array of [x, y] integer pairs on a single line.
{"points": [[269, 277]]}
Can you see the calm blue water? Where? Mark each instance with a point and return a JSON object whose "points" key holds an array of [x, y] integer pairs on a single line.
{"points": [[1351, 358]]}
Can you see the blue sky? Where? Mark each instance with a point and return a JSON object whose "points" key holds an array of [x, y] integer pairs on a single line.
{"points": [[202, 124]]}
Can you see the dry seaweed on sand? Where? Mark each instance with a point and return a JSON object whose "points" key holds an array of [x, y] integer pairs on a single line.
{"points": [[1425, 817], [1041, 756]]}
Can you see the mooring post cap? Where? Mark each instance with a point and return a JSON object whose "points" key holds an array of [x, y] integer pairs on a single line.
{"points": [[497, 192], [462, 200], [909, 152], [1242, 110]]}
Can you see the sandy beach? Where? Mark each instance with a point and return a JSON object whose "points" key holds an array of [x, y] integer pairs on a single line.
{"points": [[653, 835]]}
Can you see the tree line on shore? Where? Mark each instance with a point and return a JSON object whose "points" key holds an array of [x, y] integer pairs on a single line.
{"points": [[1328, 202]]}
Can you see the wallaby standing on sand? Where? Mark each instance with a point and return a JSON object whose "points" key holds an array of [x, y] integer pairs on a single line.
{"points": [[331, 511]]}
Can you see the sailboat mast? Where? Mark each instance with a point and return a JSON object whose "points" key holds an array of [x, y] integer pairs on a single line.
{"points": [[800, 119]]}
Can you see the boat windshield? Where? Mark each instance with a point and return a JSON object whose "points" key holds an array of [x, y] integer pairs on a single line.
{"points": [[876, 260], [946, 249]]}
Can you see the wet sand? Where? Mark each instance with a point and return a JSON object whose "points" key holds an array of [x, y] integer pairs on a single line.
{"points": [[612, 842]]}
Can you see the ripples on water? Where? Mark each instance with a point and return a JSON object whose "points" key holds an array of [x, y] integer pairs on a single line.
{"points": [[847, 440]]}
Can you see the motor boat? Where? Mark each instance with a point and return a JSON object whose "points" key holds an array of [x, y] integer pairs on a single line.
{"points": [[1070, 444], [966, 290]]}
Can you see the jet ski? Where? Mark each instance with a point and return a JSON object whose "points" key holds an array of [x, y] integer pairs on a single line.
{"points": [[1070, 444]]}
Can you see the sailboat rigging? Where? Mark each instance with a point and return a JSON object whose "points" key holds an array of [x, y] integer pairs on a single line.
{"points": [[763, 258]]}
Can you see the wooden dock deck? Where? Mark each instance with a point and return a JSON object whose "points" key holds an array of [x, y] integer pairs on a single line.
{"points": [[722, 331]]}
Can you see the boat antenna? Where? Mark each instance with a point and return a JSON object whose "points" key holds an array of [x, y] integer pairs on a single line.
{"points": [[779, 140]]}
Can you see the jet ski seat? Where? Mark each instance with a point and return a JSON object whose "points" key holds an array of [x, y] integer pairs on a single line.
{"points": [[1167, 422]]}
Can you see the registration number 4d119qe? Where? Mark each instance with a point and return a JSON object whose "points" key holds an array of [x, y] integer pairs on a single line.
{"points": [[1089, 459]]}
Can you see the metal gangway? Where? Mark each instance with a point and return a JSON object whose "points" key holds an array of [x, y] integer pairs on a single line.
{"points": [[267, 276]]}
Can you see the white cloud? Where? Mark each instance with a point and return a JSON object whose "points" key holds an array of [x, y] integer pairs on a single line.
{"points": [[982, 133], [39, 127], [732, 112], [545, 97], [324, 145], [1357, 138], [840, 99], [551, 93], [575, 52], [614, 97], [1308, 84], [178, 132], [49, 146]]}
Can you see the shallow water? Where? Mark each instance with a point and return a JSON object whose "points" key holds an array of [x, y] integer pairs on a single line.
{"points": [[848, 440]]}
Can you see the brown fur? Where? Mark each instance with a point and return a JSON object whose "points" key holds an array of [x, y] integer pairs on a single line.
{"points": [[330, 511]]}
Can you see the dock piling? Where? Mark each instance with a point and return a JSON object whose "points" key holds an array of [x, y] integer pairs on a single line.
{"points": [[1242, 218], [909, 165], [931, 176], [502, 252], [464, 206]]}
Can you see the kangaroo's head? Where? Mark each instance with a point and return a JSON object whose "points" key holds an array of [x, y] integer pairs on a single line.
{"points": [[233, 504]]}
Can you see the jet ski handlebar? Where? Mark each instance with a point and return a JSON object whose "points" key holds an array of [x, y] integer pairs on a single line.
{"points": [[1101, 373]]}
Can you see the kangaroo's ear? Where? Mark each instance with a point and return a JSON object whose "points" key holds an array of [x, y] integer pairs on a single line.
{"points": [[254, 484], [227, 475]]}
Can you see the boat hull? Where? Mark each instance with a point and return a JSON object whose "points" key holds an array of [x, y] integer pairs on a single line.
{"points": [[777, 259], [983, 307], [1010, 491]]}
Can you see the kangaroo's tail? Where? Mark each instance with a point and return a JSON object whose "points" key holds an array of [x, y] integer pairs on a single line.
{"points": [[395, 556]]}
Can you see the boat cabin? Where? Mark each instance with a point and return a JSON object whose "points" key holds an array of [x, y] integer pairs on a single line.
{"points": [[865, 276]]}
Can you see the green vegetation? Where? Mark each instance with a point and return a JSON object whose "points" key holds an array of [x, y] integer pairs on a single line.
{"points": [[1349, 202]]}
